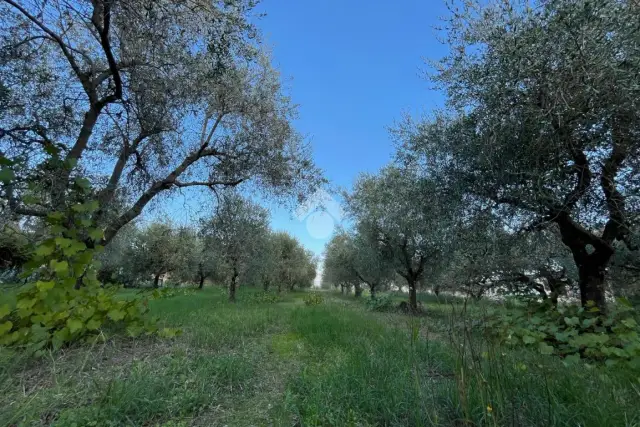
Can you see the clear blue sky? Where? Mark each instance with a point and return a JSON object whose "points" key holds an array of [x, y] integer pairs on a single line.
{"points": [[353, 66]]}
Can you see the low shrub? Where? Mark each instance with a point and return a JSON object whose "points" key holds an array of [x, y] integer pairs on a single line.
{"points": [[65, 302], [405, 307], [313, 298], [380, 303], [572, 332]]}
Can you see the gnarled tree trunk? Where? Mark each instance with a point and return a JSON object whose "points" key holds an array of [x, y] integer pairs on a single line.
{"points": [[372, 290], [357, 288], [592, 283], [591, 254], [232, 285], [413, 296]]}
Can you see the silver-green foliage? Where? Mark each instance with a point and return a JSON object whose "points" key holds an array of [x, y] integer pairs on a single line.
{"points": [[141, 98], [542, 120]]}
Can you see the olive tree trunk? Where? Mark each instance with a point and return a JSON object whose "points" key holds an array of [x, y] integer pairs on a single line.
{"points": [[232, 285]]}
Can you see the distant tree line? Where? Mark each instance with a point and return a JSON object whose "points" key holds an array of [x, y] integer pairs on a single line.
{"points": [[235, 246]]}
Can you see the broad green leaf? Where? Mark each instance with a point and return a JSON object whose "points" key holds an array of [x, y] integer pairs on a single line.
{"points": [[528, 339], [83, 183], [589, 340], [44, 250], [61, 268], [63, 242], [26, 303], [51, 150], [93, 324], [71, 163], [134, 330], [571, 321], [61, 315], [96, 233], [89, 206], [6, 174], [55, 216], [74, 325], [57, 229], [78, 207], [624, 301], [5, 327], [116, 315], [545, 348], [85, 257], [69, 282], [45, 286], [572, 359], [60, 337], [133, 311], [39, 333], [92, 205], [4, 310], [74, 248]]}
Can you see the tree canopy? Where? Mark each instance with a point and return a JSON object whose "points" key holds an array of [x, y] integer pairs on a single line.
{"points": [[138, 98]]}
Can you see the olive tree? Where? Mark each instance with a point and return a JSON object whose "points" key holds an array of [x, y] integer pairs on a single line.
{"points": [[409, 217], [237, 229], [485, 256], [196, 257], [370, 262], [352, 259], [155, 252], [207, 261], [544, 121], [338, 268], [133, 99], [294, 265]]}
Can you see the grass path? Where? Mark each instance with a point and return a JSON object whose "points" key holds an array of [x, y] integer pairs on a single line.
{"points": [[284, 364]]}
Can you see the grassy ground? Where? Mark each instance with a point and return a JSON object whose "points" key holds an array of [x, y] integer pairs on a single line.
{"points": [[282, 364]]}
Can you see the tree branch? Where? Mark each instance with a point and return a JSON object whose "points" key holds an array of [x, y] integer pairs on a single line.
{"points": [[86, 84], [583, 178], [616, 227], [231, 183], [103, 7]]}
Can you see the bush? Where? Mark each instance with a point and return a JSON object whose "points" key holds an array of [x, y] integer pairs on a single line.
{"points": [[313, 298], [572, 332], [380, 303], [67, 303]]}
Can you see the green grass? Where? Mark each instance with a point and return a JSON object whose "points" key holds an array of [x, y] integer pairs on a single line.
{"points": [[285, 363]]}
